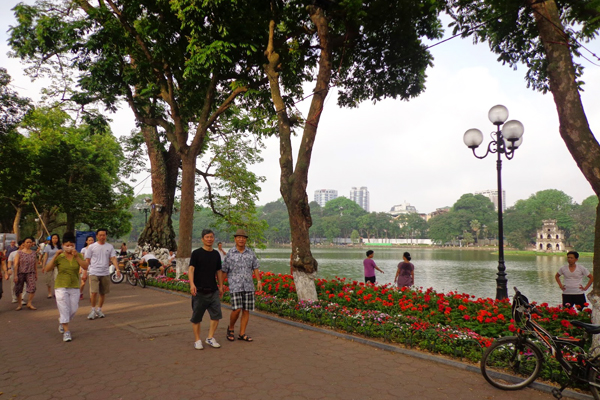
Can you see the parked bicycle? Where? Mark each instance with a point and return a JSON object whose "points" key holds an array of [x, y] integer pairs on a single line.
{"points": [[131, 272], [513, 362]]}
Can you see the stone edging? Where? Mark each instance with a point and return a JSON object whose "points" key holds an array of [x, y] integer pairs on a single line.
{"points": [[389, 347]]}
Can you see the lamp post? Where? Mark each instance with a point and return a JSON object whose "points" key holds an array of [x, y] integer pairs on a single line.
{"points": [[145, 208], [507, 138]]}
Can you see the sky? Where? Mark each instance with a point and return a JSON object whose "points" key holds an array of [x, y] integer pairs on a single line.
{"points": [[413, 151]]}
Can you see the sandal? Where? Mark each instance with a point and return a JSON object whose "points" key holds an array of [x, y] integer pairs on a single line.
{"points": [[230, 336], [19, 308], [245, 338], [31, 307]]}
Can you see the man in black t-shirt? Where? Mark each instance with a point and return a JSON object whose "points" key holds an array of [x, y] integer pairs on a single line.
{"points": [[204, 272]]}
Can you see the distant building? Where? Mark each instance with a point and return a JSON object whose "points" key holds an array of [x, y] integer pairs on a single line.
{"points": [[493, 196], [322, 196], [549, 239], [438, 211], [360, 197], [404, 208]]}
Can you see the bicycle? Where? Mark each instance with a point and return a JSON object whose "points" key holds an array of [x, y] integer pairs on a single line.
{"points": [[513, 362], [132, 272]]}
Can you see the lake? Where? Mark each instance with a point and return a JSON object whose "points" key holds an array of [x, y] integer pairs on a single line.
{"points": [[465, 271]]}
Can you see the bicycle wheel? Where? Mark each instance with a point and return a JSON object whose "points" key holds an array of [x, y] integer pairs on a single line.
{"points": [[141, 279], [594, 379], [511, 363], [131, 277], [115, 279]]}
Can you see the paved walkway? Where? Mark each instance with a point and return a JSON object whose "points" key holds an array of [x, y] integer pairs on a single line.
{"points": [[143, 349]]}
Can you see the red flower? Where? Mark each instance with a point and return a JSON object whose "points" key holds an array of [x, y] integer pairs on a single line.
{"points": [[466, 317], [512, 328]]}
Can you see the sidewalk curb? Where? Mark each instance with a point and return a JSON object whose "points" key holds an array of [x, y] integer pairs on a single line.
{"points": [[543, 387]]}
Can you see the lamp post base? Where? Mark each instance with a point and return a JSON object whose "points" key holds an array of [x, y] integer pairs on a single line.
{"points": [[501, 283]]}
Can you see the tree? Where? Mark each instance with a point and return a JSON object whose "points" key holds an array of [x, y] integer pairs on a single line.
{"points": [[475, 227], [524, 219], [177, 76], [77, 171], [444, 228], [533, 32], [584, 218], [12, 106], [355, 236], [412, 225], [369, 50], [13, 157], [68, 171]]}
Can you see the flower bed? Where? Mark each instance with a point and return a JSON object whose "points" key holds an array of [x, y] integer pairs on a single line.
{"points": [[454, 324]]}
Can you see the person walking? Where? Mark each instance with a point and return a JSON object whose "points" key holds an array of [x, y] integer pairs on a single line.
{"points": [[98, 257], [67, 261], [11, 270], [24, 269], [204, 273], [12, 247], [370, 267], [83, 273], [49, 252], [573, 291], [405, 275], [239, 265], [221, 251]]}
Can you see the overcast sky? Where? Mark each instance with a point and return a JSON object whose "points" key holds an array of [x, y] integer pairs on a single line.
{"points": [[413, 151]]}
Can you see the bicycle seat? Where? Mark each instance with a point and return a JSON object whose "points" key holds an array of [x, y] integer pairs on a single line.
{"points": [[589, 328]]}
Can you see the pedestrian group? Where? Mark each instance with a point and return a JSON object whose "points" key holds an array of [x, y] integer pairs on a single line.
{"points": [[66, 272]]}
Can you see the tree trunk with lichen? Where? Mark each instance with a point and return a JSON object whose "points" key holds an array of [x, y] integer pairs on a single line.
{"points": [[164, 169], [294, 179], [574, 127]]}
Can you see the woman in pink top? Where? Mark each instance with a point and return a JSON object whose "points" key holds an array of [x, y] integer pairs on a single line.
{"points": [[25, 271]]}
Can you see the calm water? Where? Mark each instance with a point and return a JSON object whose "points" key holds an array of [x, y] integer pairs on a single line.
{"points": [[468, 271]]}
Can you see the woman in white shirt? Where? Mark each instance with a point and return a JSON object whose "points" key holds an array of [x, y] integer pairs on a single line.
{"points": [[573, 289]]}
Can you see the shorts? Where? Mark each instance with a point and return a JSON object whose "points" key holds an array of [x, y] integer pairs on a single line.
{"points": [[206, 301], [99, 284], [573, 299], [370, 279], [243, 300], [154, 264]]}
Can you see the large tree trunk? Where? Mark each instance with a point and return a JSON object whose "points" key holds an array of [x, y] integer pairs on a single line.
{"points": [[293, 181], [574, 127], [164, 169], [186, 220], [17, 221]]}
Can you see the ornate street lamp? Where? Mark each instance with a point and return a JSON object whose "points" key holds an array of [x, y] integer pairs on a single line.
{"points": [[145, 208], [504, 141]]}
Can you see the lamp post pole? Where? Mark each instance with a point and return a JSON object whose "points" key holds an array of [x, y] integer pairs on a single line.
{"points": [[507, 140], [501, 281]]}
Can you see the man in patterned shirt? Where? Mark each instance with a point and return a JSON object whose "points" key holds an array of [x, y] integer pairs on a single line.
{"points": [[238, 266]]}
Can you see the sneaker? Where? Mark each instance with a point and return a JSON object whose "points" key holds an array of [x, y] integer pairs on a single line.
{"points": [[14, 300], [67, 337], [23, 303], [198, 345], [100, 314], [92, 315], [212, 342], [61, 329]]}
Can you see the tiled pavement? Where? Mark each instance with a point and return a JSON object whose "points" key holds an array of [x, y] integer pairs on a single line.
{"points": [[143, 349]]}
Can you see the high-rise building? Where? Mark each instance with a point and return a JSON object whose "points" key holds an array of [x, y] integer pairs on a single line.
{"points": [[360, 197], [493, 196], [322, 196]]}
